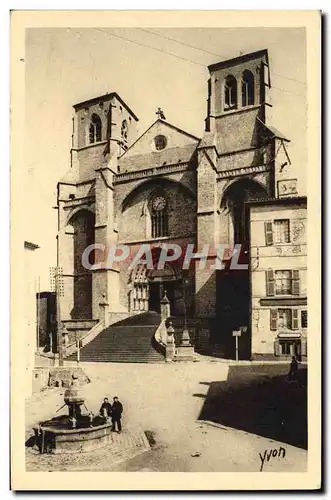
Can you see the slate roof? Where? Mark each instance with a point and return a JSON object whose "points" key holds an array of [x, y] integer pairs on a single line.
{"points": [[239, 59], [277, 134], [103, 97], [208, 140], [274, 131], [70, 177]]}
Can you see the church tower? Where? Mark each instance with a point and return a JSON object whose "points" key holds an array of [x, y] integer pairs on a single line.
{"points": [[236, 164], [103, 129]]}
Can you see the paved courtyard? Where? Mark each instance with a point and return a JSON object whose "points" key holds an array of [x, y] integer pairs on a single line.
{"points": [[167, 400]]}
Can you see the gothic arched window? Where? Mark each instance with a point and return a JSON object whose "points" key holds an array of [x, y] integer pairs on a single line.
{"points": [[159, 216], [247, 88], [124, 130], [95, 129], [230, 93]]}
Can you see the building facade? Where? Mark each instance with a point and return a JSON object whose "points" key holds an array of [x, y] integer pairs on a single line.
{"points": [[169, 187], [278, 254]]}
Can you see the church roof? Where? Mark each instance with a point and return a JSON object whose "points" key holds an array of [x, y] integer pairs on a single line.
{"points": [[208, 140], [277, 134], [70, 177], [274, 131], [102, 98], [164, 122], [239, 59], [168, 156]]}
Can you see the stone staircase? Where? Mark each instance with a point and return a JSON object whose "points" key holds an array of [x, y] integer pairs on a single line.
{"points": [[128, 341]]}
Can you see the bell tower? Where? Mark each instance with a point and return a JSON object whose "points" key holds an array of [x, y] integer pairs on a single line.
{"points": [[237, 96], [235, 165], [103, 128]]}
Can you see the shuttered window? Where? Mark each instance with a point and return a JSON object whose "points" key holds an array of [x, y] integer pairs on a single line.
{"points": [[268, 233], [281, 231], [283, 282], [284, 319], [270, 282]]}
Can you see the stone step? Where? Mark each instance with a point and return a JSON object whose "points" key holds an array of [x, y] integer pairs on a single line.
{"points": [[129, 340]]}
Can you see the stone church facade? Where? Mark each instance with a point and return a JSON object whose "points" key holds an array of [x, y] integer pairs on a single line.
{"points": [[167, 186]]}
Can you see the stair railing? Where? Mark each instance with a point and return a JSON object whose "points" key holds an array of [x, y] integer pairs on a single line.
{"points": [[160, 338], [91, 334]]}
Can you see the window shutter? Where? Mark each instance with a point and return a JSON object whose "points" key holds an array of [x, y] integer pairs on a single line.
{"points": [[268, 233], [295, 282], [273, 319], [270, 282], [295, 319]]}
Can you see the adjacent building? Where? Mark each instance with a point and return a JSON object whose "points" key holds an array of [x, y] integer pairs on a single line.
{"points": [[46, 307], [278, 263]]}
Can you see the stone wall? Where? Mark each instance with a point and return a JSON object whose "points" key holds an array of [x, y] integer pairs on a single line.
{"points": [[134, 222]]}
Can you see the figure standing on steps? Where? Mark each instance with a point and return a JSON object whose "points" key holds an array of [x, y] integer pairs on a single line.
{"points": [[116, 415]]}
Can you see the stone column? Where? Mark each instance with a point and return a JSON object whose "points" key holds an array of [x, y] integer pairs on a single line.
{"points": [[185, 351], [165, 307], [104, 310], [170, 347], [205, 284], [106, 280]]}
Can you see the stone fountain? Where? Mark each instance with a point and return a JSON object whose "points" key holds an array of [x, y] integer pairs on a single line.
{"points": [[75, 432]]}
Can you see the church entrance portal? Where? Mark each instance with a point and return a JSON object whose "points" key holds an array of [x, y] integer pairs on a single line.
{"points": [[149, 287], [157, 289]]}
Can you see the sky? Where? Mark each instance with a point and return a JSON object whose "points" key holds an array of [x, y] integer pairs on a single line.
{"points": [[65, 66]]}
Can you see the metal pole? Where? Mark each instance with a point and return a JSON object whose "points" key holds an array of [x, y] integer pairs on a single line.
{"points": [[38, 314], [58, 316], [237, 353], [184, 296]]}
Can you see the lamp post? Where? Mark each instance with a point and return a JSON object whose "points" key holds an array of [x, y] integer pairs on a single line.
{"points": [[185, 282]]}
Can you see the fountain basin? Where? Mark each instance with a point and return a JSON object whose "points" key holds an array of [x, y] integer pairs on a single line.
{"points": [[55, 436]]}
